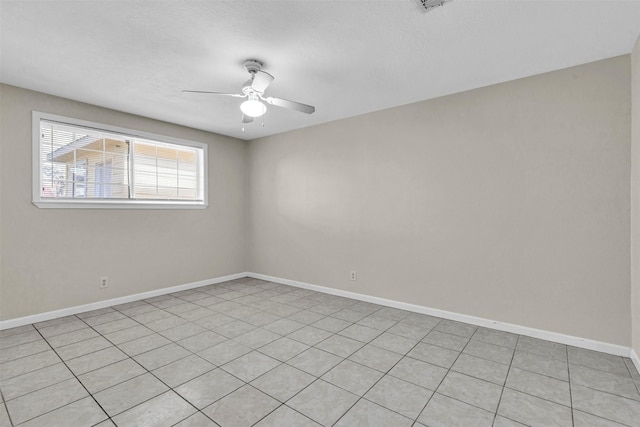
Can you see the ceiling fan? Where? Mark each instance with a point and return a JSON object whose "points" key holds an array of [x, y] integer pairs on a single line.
{"points": [[253, 89]]}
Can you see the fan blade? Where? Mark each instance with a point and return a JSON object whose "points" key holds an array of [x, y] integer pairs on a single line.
{"points": [[261, 81], [292, 105], [236, 95], [247, 119]]}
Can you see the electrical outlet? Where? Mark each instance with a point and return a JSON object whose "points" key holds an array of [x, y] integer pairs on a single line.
{"points": [[104, 282], [354, 275]]}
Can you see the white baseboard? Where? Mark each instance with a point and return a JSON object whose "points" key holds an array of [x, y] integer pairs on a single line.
{"points": [[635, 359], [26, 320], [604, 347]]}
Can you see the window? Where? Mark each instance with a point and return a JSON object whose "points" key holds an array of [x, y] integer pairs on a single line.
{"points": [[88, 165]]}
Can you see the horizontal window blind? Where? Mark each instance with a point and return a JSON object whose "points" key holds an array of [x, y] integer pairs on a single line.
{"points": [[90, 164]]}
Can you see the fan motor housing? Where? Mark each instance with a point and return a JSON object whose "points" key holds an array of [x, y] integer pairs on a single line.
{"points": [[246, 87]]}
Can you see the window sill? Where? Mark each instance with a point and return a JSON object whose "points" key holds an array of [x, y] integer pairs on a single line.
{"points": [[77, 204]]}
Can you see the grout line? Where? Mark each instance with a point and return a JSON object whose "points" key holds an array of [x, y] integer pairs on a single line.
{"points": [[6, 408], [288, 407], [317, 378], [380, 379], [41, 388], [76, 378], [529, 370], [573, 421], [445, 375], [536, 373], [504, 384], [110, 364], [134, 361]]}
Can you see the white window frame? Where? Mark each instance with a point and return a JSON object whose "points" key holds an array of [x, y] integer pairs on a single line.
{"points": [[44, 202]]}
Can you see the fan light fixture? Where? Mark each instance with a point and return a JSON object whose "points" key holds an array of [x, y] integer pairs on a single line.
{"points": [[252, 107], [253, 93]]}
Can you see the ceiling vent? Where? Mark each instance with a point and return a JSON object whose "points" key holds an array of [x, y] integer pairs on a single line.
{"points": [[427, 5]]}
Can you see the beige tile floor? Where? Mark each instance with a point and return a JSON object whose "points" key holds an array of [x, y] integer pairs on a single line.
{"points": [[250, 352]]}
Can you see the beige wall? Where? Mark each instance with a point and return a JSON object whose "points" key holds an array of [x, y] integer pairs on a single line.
{"points": [[509, 202], [635, 199], [53, 258]]}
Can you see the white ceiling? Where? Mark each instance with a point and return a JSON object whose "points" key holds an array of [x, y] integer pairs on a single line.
{"points": [[344, 57]]}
